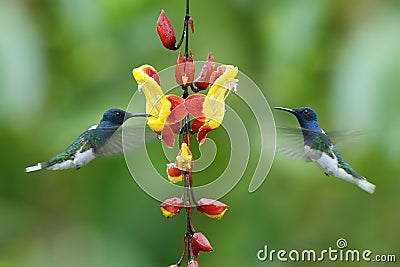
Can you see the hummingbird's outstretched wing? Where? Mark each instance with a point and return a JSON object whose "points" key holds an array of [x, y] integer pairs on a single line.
{"points": [[290, 141], [125, 138], [342, 138]]}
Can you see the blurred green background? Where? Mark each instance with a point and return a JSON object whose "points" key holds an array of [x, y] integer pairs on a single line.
{"points": [[64, 62]]}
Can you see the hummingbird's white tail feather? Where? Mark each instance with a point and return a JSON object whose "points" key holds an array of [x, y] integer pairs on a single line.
{"points": [[34, 168], [365, 185]]}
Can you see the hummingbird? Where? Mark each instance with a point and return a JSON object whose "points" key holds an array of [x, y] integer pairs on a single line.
{"points": [[319, 149], [95, 142]]}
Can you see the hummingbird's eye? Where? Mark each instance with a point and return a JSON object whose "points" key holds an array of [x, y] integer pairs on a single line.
{"points": [[118, 114], [305, 111]]}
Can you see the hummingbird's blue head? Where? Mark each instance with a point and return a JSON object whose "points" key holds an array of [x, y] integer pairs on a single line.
{"points": [[112, 118], [306, 116], [116, 117]]}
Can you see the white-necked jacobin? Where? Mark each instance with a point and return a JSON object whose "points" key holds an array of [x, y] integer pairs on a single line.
{"points": [[95, 142], [319, 149]]}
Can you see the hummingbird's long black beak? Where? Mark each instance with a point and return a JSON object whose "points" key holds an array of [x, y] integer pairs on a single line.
{"points": [[131, 115], [285, 109]]}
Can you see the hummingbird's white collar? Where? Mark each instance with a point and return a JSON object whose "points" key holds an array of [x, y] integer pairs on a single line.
{"points": [[93, 127]]}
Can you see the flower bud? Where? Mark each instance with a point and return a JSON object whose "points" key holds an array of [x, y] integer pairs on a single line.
{"points": [[193, 263], [184, 70], [165, 31], [174, 174], [212, 208], [201, 242], [171, 206], [209, 68]]}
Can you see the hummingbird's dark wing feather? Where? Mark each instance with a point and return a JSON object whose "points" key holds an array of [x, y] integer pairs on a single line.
{"points": [[125, 138]]}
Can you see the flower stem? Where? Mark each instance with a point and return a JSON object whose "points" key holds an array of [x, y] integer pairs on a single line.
{"points": [[187, 17], [189, 195], [183, 253], [185, 34]]}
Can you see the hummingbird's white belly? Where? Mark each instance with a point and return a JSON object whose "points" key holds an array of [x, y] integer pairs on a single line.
{"points": [[324, 161], [82, 158], [61, 166], [327, 164]]}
